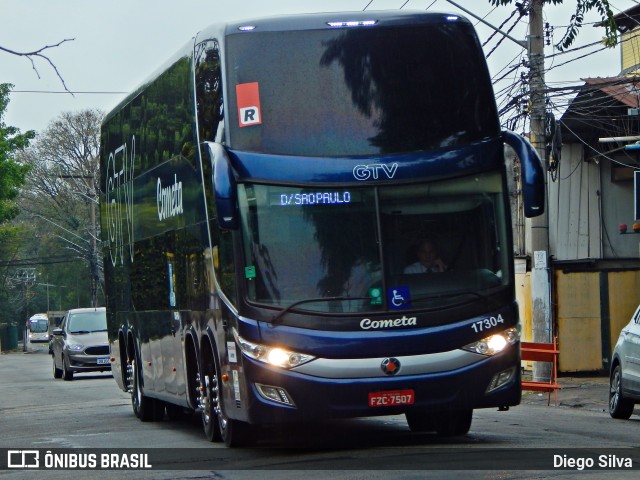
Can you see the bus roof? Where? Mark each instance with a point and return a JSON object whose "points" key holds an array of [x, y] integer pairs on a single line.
{"points": [[314, 21], [309, 21]]}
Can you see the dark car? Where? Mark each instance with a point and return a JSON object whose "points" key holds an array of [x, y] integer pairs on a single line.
{"points": [[624, 381], [81, 344]]}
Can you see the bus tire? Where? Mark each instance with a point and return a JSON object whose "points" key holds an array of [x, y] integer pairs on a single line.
{"points": [[454, 423], [57, 373], [66, 373], [210, 399], [145, 408], [217, 426], [421, 421], [174, 412], [236, 433]]}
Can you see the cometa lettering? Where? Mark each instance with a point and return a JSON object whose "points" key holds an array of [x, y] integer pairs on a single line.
{"points": [[368, 324], [169, 199]]}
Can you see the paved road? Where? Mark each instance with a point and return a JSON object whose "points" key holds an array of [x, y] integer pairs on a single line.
{"points": [[90, 412]]}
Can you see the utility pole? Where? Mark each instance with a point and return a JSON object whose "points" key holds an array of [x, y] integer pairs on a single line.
{"points": [[92, 196], [540, 284], [93, 251]]}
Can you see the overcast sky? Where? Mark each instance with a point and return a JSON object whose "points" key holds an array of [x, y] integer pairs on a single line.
{"points": [[118, 43]]}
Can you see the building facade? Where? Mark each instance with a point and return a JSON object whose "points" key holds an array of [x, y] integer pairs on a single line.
{"points": [[594, 262]]}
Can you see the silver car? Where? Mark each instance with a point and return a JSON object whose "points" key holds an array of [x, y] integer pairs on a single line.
{"points": [[81, 343], [624, 381]]}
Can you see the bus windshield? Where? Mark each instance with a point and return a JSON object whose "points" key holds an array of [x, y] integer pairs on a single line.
{"points": [[359, 91], [348, 262], [38, 325]]}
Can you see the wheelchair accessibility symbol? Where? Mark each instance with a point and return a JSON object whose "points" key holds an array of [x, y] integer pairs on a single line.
{"points": [[399, 298]]}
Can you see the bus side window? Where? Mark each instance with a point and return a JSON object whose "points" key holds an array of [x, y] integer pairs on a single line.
{"points": [[227, 271], [223, 259], [209, 91]]}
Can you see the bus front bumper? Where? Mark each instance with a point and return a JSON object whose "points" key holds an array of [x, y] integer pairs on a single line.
{"points": [[286, 395]]}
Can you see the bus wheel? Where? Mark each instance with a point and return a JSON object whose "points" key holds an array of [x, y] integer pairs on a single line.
{"points": [[57, 373], [457, 422], [174, 412], [235, 433], [209, 402], [216, 424], [145, 408], [420, 421], [66, 373]]}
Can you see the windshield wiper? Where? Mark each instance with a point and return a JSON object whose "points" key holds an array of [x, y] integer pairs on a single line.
{"points": [[287, 309], [443, 295], [80, 331]]}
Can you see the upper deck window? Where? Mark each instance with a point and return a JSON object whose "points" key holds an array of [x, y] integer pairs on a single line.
{"points": [[361, 91]]}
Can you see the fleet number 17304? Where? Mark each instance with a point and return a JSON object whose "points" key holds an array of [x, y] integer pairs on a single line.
{"points": [[487, 323]]}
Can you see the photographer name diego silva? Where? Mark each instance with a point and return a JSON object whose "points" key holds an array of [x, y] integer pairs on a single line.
{"points": [[609, 461]]}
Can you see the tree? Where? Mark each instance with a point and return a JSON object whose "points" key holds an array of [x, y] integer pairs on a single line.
{"points": [[12, 173], [39, 54], [10, 246], [61, 189], [12, 177], [577, 19]]}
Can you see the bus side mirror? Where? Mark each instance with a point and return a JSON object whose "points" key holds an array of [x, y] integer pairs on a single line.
{"points": [[224, 186], [533, 185]]}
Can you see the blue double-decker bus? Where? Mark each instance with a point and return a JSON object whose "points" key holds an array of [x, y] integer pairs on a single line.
{"points": [[307, 217]]}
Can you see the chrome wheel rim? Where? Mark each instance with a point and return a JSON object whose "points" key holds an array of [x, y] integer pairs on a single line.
{"points": [[136, 396], [212, 403], [614, 390]]}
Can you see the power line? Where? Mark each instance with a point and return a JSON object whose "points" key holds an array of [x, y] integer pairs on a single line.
{"points": [[39, 261], [79, 92], [600, 154], [515, 24]]}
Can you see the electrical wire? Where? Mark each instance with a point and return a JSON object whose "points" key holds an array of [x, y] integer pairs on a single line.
{"points": [[85, 92], [39, 261], [600, 154]]}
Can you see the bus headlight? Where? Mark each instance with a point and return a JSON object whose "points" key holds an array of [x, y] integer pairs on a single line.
{"points": [[276, 356], [495, 343]]}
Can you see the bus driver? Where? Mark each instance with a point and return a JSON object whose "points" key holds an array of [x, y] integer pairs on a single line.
{"points": [[428, 259]]}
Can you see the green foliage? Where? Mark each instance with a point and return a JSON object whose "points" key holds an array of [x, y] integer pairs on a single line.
{"points": [[12, 174], [10, 238], [577, 19], [497, 3], [582, 7]]}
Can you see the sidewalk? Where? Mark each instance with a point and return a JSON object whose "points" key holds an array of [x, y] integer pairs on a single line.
{"points": [[579, 391]]}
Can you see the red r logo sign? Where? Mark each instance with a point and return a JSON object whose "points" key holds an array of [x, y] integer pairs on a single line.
{"points": [[248, 95]]}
